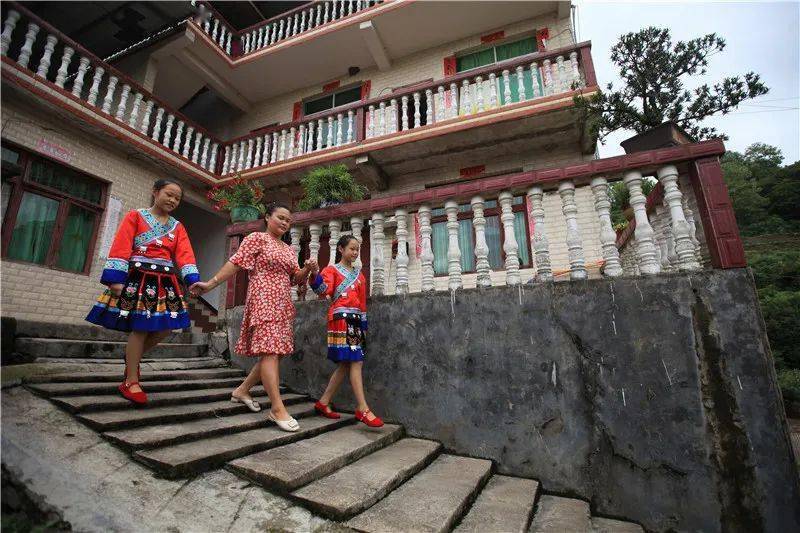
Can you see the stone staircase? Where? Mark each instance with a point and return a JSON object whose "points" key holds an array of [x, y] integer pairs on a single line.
{"points": [[367, 479]]}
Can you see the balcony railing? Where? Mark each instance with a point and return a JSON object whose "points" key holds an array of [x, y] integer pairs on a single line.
{"points": [[37, 47], [528, 78], [277, 29], [693, 221]]}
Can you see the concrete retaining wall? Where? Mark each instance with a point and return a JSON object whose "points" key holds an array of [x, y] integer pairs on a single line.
{"points": [[654, 398]]}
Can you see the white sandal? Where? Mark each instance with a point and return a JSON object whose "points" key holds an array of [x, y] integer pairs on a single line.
{"points": [[290, 425], [249, 402]]}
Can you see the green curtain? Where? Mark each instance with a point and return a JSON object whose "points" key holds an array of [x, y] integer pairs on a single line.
{"points": [[521, 235], [527, 82], [74, 245], [65, 180], [33, 229], [493, 242], [439, 241], [475, 60], [516, 49], [466, 243]]}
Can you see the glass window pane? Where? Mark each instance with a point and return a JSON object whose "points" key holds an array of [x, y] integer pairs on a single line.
{"points": [[318, 105], [33, 229], [74, 246], [10, 156], [347, 97], [466, 243], [66, 180], [493, 241], [521, 235], [439, 241]]}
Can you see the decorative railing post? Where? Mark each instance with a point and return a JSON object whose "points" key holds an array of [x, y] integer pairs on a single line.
{"points": [[645, 249], [378, 280], [357, 225], [204, 156], [168, 130], [428, 107], [44, 63], [479, 94], [510, 246], [63, 70], [176, 147], [94, 90], [212, 165], [426, 252], [315, 231], [295, 233], [481, 248], [112, 86], [123, 101], [577, 262], [335, 231], [137, 103], [535, 80], [684, 247], [226, 160], [506, 87], [148, 112], [692, 229], [198, 138], [27, 48], [453, 100], [453, 250], [401, 285], [521, 84], [539, 243], [608, 236], [8, 30]]}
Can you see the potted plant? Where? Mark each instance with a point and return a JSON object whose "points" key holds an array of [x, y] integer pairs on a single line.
{"points": [[332, 185], [242, 198]]}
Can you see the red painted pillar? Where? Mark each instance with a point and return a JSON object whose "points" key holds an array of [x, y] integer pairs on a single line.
{"points": [[716, 212]]}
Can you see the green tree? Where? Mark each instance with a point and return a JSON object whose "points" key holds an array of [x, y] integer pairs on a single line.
{"points": [[653, 70]]}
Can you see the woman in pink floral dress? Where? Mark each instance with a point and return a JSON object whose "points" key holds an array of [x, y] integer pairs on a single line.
{"points": [[267, 325]]}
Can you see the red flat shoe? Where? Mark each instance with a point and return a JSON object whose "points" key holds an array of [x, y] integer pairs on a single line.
{"points": [[326, 411], [139, 398], [362, 417]]}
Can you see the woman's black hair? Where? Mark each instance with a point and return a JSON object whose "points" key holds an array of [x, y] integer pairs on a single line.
{"points": [[341, 244], [160, 184], [272, 206]]}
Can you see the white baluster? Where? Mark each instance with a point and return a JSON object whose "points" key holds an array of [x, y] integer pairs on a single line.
{"points": [[187, 145], [8, 30], [215, 31], [339, 129], [326, 18], [479, 94], [123, 101], [319, 15], [282, 148], [272, 34], [645, 248], [223, 33], [577, 262], [290, 145], [27, 48], [94, 90], [296, 24], [350, 120], [303, 21], [608, 236], [401, 278], [310, 147], [295, 233], [44, 63], [275, 148], [681, 232], [204, 156], [492, 91], [212, 165], [404, 112], [661, 238], [157, 125], [320, 133], [481, 248], [246, 43], [382, 119], [148, 111], [335, 231], [465, 98], [548, 77], [301, 140], [426, 253], [510, 246], [357, 225], [228, 44], [226, 160], [112, 85], [563, 78], [196, 149], [176, 146], [63, 70], [453, 251], [539, 242], [137, 103], [575, 74], [521, 84], [329, 140], [692, 229], [378, 280], [439, 106], [234, 158], [77, 84], [392, 110], [335, 10], [371, 127], [260, 40], [168, 130], [257, 153], [535, 80], [315, 230], [241, 158], [506, 87], [453, 100]]}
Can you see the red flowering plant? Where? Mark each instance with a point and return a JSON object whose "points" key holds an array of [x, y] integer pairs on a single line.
{"points": [[239, 193]]}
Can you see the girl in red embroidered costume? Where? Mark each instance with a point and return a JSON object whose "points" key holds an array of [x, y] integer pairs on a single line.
{"points": [[144, 295], [347, 327], [269, 311]]}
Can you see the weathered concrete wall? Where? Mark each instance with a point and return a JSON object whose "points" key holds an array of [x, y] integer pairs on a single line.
{"points": [[655, 398]]}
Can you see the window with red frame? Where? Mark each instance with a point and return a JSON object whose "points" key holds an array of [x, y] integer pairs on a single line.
{"points": [[53, 214]]}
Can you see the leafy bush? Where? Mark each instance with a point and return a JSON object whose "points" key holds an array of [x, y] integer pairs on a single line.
{"points": [[620, 197], [239, 193], [329, 185], [781, 311], [789, 382]]}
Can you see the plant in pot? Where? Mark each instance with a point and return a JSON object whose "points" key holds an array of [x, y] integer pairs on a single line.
{"points": [[327, 186], [242, 198]]}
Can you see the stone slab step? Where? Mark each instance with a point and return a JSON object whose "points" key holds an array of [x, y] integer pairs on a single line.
{"points": [[433, 500], [608, 525], [556, 515], [359, 485], [190, 458], [83, 404], [93, 349], [505, 504], [147, 377], [84, 389], [47, 330], [128, 418], [117, 366], [294, 465], [169, 434]]}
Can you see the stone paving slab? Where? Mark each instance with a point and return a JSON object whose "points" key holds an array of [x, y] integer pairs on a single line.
{"points": [[95, 349], [359, 485], [170, 434], [288, 467], [557, 515], [82, 389], [433, 500], [103, 402], [608, 525], [190, 458], [505, 504], [97, 488], [147, 377]]}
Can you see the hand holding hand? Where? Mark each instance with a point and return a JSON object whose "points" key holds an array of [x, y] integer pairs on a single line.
{"points": [[312, 266], [116, 288], [199, 288]]}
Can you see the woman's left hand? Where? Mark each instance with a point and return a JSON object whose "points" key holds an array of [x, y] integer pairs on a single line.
{"points": [[199, 288]]}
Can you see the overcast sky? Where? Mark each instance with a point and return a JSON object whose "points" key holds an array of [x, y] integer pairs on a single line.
{"points": [[761, 36]]}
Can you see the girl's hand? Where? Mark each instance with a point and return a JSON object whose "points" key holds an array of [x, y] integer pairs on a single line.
{"points": [[116, 288], [199, 288], [313, 267]]}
